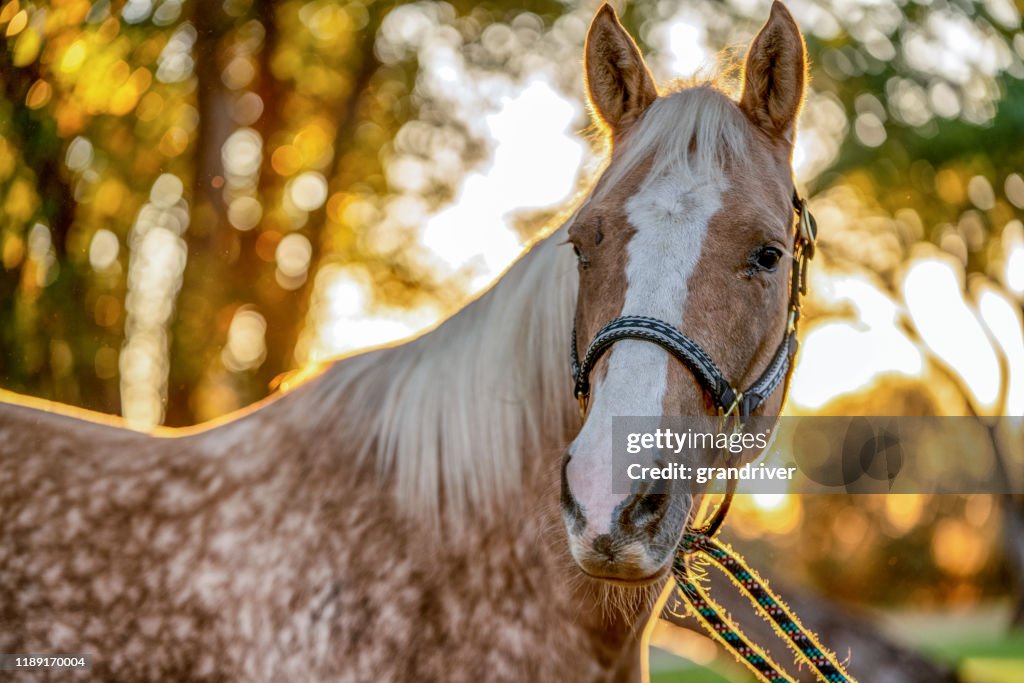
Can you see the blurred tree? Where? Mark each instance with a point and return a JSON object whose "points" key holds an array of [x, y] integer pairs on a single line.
{"points": [[294, 124]]}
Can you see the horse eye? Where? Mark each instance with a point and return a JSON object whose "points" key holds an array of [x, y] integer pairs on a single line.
{"points": [[767, 258], [581, 260]]}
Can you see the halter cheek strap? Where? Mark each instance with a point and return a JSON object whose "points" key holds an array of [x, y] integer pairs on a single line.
{"points": [[727, 399]]}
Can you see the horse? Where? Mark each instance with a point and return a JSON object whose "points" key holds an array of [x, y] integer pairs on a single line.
{"points": [[434, 511]]}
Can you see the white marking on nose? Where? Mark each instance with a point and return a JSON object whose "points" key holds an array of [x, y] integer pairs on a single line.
{"points": [[670, 216]]}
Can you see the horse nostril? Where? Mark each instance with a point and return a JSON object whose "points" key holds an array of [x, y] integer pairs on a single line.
{"points": [[654, 504], [570, 507], [605, 545], [644, 509]]}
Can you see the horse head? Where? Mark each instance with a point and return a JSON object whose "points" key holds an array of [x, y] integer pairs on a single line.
{"points": [[691, 223]]}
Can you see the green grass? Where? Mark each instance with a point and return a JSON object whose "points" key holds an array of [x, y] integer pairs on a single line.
{"points": [[699, 675], [992, 671], [668, 668], [976, 642], [1005, 646], [983, 660], [981, 654]]}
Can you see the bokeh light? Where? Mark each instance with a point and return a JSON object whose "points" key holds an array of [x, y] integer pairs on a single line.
{"points": [[852, 353], [933, 292]]}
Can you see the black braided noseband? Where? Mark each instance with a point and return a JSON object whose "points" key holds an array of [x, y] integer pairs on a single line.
{"points": [[726, 398]]}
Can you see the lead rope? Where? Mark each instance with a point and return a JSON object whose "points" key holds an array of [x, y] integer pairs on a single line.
{"points": [[710, 614], [769, 606], [723, 629], [701, 541]]}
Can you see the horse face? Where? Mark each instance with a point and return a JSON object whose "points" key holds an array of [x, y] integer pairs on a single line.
{"points": [[702, 242]]}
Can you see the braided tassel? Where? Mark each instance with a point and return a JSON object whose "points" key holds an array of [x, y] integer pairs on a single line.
{"points": [[786, 624], [720, 626]]}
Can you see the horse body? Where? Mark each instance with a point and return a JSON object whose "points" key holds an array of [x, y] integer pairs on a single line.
{"points": [[267, 548]]}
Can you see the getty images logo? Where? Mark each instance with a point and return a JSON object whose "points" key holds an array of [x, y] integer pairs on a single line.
{"points": [[863, 455]]}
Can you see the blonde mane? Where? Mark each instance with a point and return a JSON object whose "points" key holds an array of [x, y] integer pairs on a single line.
{"points": [[696, 130], [452, 414]]}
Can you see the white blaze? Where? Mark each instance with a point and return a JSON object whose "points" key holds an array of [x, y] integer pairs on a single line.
{"points": [[670, 216]]}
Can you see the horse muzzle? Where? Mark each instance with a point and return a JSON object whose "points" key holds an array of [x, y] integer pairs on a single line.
{"points": [[628, 538]]}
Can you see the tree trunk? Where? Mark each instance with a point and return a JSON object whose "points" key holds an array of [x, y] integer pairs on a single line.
{"points": [[224, 270], [1012, 506], [213, 245], [49, 338], [293, 307]]}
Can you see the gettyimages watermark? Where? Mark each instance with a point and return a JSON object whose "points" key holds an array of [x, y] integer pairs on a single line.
{"points": [[817, 455]]}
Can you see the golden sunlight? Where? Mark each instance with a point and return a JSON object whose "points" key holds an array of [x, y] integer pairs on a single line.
{"points": [[933, 290], [768, 513], [1015, 269], [347, 321], [534, 163], [1003, 320], [852, 354], [685, 41], [768, 501]]}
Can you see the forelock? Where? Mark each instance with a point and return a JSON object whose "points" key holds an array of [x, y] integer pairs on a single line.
{"points": [[696, 131]]}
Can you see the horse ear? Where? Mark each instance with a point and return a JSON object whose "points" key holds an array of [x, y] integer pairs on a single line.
{"points": [[774, 78], [620, 86]]}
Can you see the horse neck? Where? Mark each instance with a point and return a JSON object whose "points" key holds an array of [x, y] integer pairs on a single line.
{"points": [[471, 419], [458, 417]]}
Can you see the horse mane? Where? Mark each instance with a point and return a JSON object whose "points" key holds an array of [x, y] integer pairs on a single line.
{"points": [[452, 413], [694, 129], [449, 416]]}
